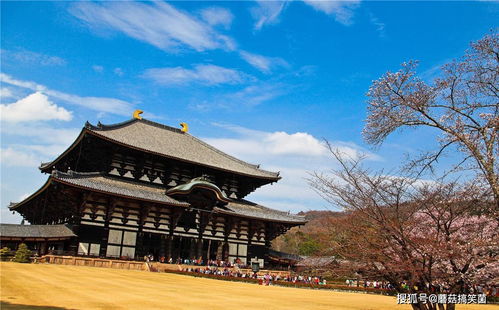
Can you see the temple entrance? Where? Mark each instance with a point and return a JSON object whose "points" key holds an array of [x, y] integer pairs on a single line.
{"points": [[187, 248], [210, 249], [183, 248], [151, 244]]}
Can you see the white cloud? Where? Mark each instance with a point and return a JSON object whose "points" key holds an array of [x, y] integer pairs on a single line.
{"points": [[217, 16], [29, 57], [35, 143], [14, 158], [5, 78], [267, 12], [35, 134], [263, 63], [118, 71], [102, 104], [156, 23], [342, 11], [380, 26], [162, 25], [6, 92], [294, 155], [202, 73], [255, 94], [98, 69], [35, 107], [248, 96]]}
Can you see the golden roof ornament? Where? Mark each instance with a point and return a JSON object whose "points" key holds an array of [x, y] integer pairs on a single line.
{"points": [[185, 127], [136, 114]]}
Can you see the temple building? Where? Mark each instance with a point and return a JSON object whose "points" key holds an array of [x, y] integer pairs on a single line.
{"points": [[142, 188]]}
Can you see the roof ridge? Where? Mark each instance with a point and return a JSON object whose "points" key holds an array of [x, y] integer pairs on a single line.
{"points": [[100, 126], [73, 174], [267, 208]]}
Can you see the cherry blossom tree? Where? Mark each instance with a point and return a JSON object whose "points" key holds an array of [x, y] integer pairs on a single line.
{"points": [[462, 105], [421, 236]]}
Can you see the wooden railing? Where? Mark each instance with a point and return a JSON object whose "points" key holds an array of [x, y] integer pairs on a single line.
{"points": [[92, 262], [135, 265]]}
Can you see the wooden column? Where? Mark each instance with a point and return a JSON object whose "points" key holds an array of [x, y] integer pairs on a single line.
{"points": [[172, 224], [192, 248], [139, 245], [227, 229], [225, 250], [111, 205], [162, 246], [43, 249], [169, 243], [204, 219], [269, 233], [79, 208]]}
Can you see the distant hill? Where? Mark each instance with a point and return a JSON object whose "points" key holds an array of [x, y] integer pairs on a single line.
{"points": [[306, 240]]}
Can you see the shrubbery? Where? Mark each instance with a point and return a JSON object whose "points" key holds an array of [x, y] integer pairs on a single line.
{"points": [[5, 253], [22, 254]]}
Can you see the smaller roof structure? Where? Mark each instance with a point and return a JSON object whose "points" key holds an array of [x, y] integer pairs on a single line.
{"points": [[250, 209], [200, 182], [282, 257], [17, 232], [316, 261]]}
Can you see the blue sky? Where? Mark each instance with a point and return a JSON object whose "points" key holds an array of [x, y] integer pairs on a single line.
{"points": [[264, 81]]}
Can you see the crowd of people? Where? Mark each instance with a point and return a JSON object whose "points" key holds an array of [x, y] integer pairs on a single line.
{"points": [[196, 262], [370, 284], [267, 278], [224, 271], [237, 270], [489, 290]]}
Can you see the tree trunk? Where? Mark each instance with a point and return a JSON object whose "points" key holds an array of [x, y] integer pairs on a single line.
{"points": [[421, 306], [451, 306]]}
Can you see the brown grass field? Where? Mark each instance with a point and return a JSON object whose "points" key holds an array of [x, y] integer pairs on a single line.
{"points": [[42, 286]]}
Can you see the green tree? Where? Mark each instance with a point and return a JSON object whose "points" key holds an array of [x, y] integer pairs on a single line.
{"points": [[22, 254], [309, 247], [5, 252]]}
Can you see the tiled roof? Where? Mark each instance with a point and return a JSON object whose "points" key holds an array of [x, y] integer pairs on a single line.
{"points": [[252, 210], [285, 256], [35, 231], [132, 189], [171, 142], [317, 261]]}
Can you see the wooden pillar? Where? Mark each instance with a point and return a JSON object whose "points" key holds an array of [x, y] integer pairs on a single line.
{"points": [[227, 229], [169, 242], [220, 250], [174, 217], [162, 246], [73, 245], [199, 251], [43, 249], [208, 251], [204, 219], [269, 233], [225, 251], [105, 232], [192, 248]]}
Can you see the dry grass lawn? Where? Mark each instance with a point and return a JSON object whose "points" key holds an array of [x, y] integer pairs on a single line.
{"points": [[28, 286]]}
